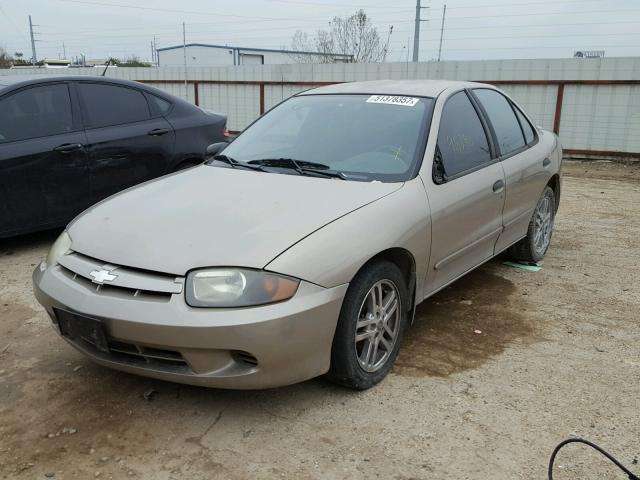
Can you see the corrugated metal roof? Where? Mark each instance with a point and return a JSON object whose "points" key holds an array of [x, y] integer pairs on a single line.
{"points": [[250, 49]]}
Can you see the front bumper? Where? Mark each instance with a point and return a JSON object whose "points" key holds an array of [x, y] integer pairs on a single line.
{"points": [[164, 338]]}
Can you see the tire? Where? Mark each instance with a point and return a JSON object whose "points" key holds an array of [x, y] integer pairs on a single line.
{"points": [[534, 246], [348, 357]]}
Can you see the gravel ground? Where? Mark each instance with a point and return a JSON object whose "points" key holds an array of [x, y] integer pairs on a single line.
{"points": [[559, 355]]}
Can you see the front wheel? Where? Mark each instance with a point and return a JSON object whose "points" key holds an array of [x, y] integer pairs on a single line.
{"points": [[370, 327], [534, 246]]}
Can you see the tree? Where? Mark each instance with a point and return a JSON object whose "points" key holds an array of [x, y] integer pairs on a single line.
{"points": [[6, 60], [353, 35], [132, 61]]}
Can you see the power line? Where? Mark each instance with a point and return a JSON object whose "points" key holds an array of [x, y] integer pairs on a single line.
{"points": [[188, 12], [295, 2], [509, 37], [13, 24], [546, 14], [560, 2]]}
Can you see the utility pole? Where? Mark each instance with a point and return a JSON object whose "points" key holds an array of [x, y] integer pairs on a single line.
{"points": [[184, 54], [153, 55], [444, 14], [155, 49], [34, 58], [64, 51], [416, 32], [407, 62]]}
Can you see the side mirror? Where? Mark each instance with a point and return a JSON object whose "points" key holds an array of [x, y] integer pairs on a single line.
{"points": [[216, 148]]}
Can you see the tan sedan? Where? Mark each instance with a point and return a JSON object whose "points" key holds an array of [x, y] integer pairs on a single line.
{"points": [[303, 247]]}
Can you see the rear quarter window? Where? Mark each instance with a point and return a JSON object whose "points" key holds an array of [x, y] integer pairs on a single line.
{"points": [[527, 129], [159, 106]]}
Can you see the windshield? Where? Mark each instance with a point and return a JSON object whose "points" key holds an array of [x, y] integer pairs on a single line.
{"points": [[366, 137]]}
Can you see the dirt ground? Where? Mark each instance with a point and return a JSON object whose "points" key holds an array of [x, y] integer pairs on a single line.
{"points": [[559, 355]]}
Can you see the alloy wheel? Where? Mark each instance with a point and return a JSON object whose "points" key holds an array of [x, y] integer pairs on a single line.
{"points": [[378, 325], [543, 225]]}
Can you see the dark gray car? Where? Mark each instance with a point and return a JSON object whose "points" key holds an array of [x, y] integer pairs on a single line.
{"points": [[67, 142]]}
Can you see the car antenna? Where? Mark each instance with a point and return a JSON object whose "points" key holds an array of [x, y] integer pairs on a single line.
{"points": [[105, 68]]}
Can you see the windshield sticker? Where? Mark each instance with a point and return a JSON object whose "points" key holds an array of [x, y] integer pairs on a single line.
{"points": [[393, 100]]}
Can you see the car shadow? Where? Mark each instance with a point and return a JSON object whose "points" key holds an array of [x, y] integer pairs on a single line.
{"points": [[23, 243]]}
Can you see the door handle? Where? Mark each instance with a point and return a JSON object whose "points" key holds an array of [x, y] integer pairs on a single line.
{"points": [[68, 147], [498, 186], [156, 132], [546, 162]]}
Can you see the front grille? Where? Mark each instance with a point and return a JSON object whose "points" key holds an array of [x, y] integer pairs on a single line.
{"points": [[112, 290], [90, 334], [128, 282], [145, 355]]}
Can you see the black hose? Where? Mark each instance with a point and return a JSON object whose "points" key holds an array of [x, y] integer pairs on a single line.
{"points": [[594, 446]]}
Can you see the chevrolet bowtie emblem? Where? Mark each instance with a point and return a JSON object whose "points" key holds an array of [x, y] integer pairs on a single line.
{"points": [[102, 275]]}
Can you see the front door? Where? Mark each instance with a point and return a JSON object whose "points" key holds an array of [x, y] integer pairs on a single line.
{"points": [[466, 195], [126, 144], [43, 162]]}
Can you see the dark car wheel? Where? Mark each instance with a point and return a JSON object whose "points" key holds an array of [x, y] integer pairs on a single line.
{"points": [[370, 327], [534, 246]]}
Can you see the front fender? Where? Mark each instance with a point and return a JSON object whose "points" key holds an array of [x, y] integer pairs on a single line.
{"points": [[334, 254]]}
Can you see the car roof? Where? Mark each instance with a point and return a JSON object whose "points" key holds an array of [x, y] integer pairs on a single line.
{"points": [[419, 88], [7, 81]]}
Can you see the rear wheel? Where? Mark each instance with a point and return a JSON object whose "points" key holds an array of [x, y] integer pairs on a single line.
{"points": [[370, 327], [534, 246]]}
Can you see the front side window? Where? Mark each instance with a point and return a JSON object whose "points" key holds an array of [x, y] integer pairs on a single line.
{"points": [[366, 137], [462, 142], [504, 121], [106, 104], [36, 112]]}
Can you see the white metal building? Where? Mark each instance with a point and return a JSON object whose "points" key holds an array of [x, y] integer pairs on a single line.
{"points": [[204, 55]]}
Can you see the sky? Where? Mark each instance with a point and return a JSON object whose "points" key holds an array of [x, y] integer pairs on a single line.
{"points": [[473, 30]]}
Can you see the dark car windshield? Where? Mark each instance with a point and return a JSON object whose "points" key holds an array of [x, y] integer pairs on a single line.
{"points": [[367, 137]]}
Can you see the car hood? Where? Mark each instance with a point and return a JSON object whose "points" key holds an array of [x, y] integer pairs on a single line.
{"points": [[215, 216]]}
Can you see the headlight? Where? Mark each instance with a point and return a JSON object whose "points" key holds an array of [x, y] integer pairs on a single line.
{"points": [[59, 248], [231, 287]]}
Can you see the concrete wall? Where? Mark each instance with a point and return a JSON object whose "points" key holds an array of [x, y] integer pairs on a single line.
{"points": [[594, 117]]}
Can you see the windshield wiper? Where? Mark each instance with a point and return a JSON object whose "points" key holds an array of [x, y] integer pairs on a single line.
{"points": [[301, 166], [236, 163]]}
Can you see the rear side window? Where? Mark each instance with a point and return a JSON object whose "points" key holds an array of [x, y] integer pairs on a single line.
{"points": [[503, 119], [36, 112], [159, 106], [527, 129], [106, 105], [462, 141]]}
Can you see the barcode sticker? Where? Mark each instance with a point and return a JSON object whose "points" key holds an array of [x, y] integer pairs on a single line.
{"points": [[393, 100]]}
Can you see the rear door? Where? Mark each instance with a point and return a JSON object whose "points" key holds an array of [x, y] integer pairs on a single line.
{"points": [[466, 193], [127, 143], [43, 162], [523, 161]]}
